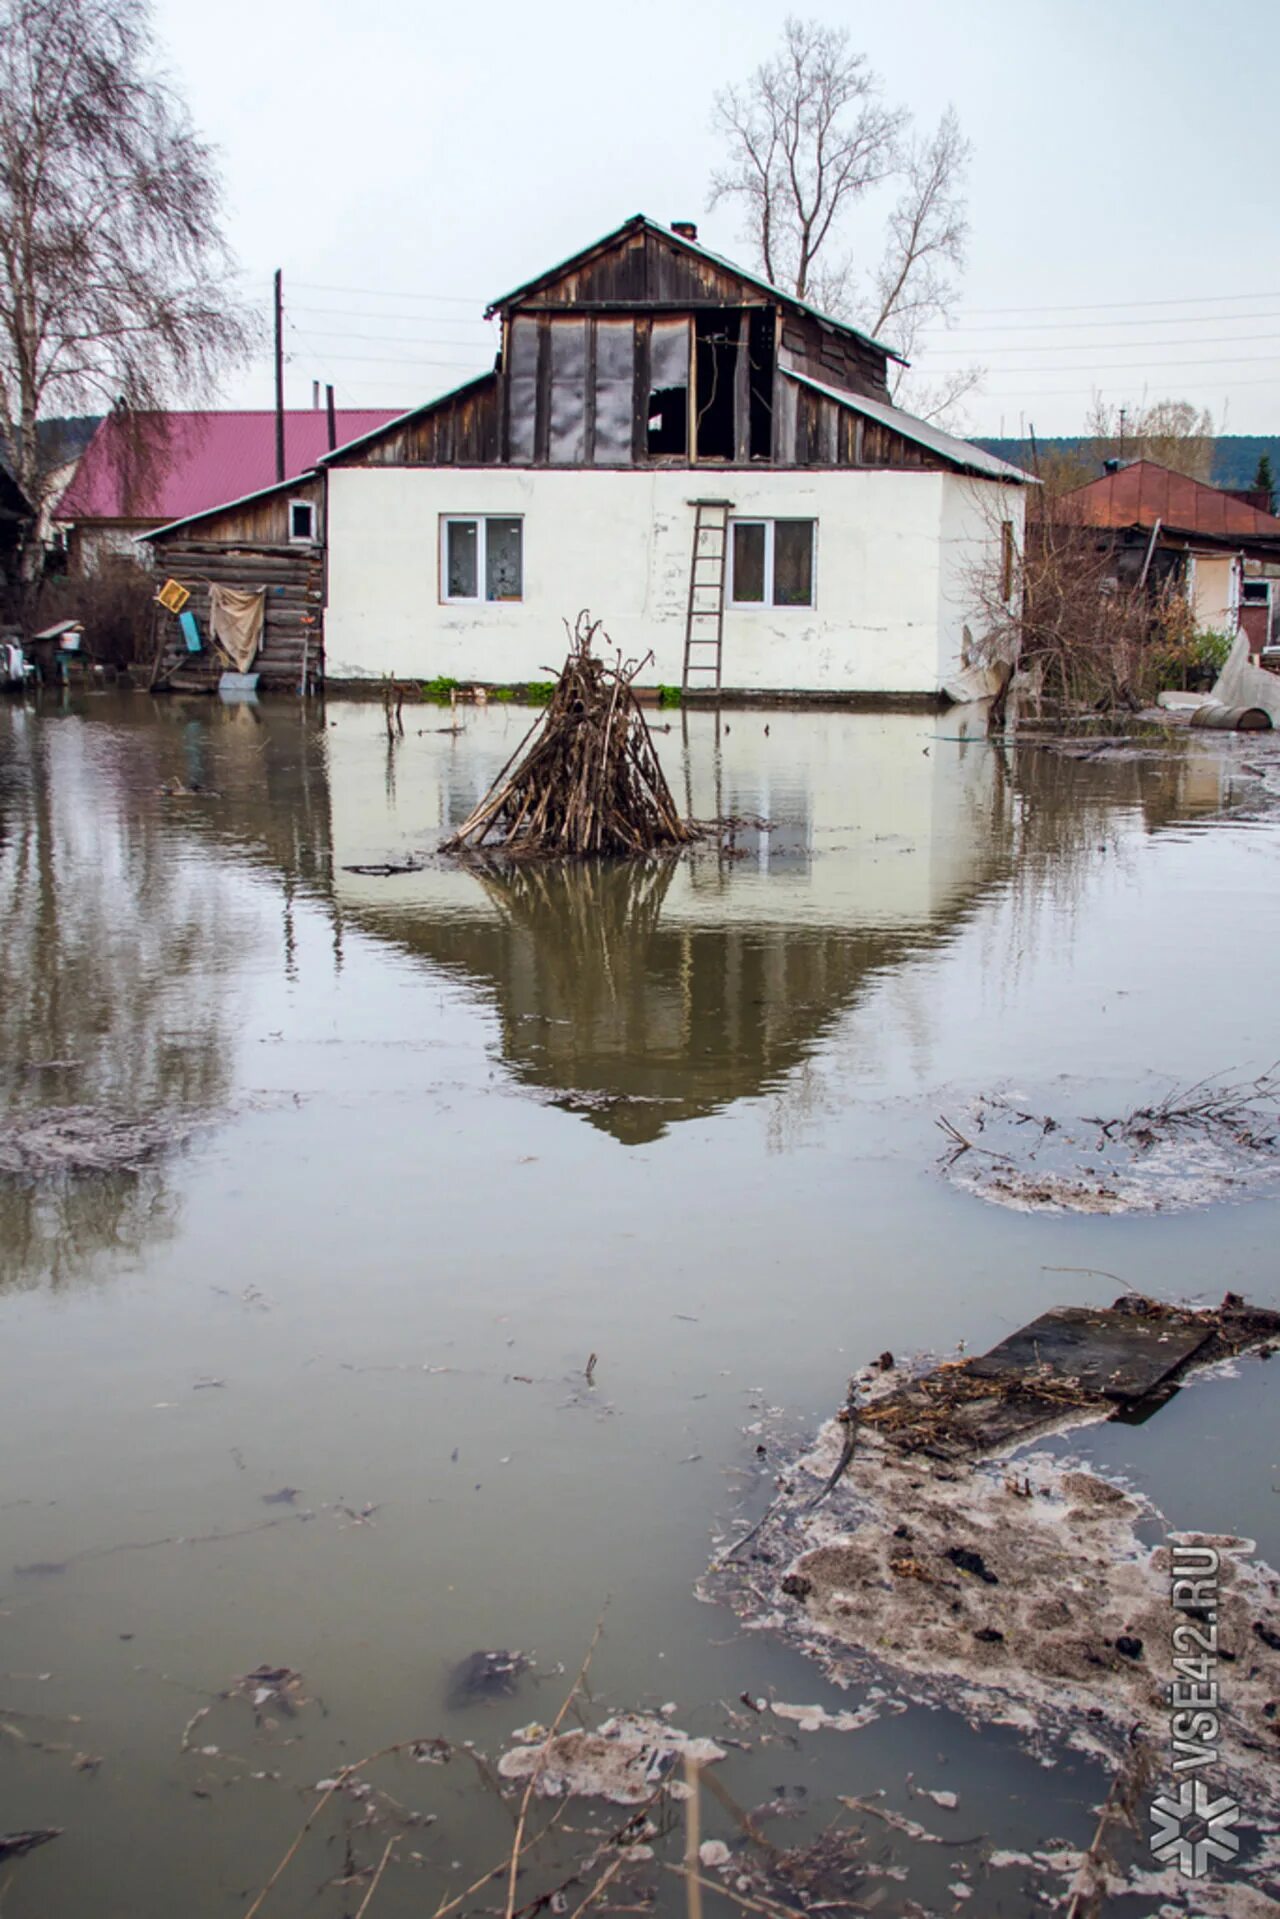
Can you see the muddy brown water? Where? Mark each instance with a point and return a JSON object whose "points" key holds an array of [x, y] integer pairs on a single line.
{"points": [[468, 1129]]}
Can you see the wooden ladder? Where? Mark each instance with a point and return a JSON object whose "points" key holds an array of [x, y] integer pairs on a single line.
{"points": [[704, 619]]}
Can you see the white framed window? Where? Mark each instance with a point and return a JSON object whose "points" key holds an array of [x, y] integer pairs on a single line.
{"points": [[481, 557], [302, 522], [771, 562]]}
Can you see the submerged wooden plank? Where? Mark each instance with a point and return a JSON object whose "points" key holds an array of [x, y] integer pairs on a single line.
{"points": [[1116, 1354]]}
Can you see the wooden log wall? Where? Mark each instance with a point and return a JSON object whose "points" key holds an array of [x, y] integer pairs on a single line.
{"points": [[293, 620]]}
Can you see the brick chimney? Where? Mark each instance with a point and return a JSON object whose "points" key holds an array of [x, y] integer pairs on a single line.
{"points": [[687, 229]]}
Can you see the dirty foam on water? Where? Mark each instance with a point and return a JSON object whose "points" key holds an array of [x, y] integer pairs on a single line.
{"points": [[309, 1393]]}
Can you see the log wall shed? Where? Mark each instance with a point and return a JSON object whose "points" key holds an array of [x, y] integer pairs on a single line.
{"points": [[273, 540]]}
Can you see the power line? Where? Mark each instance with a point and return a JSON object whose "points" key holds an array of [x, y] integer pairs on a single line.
{"points": [[1108, 346], [390, 339], [417, 319], [1115, 306], [446, 299], [1151, 367], [1075, 326]]}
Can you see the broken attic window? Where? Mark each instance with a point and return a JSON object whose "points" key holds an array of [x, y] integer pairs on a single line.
{"points": [[668, 414], [522, 388], [567, 440], [615, 391], [717, 337]]}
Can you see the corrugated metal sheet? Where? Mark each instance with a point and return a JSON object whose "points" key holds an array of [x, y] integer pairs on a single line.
{"points": [[1144, 492], [201, 460], [960, 453]]}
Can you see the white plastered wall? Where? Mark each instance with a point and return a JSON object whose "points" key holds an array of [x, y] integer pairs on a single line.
{"points": [[892, 560], [972, 514]]}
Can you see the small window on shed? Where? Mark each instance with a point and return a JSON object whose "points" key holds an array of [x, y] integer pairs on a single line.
{"points": [[302, 521]]}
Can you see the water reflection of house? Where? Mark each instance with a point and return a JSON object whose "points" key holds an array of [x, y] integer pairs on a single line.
{"points": [[640, 995]]}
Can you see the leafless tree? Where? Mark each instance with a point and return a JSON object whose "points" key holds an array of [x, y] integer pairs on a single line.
{"points": [[1174, 433], [114, 277], [808, 138]]}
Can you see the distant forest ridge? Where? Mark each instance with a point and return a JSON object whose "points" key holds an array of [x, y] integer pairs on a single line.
{"points": [[60, 439], [1235, 455]]}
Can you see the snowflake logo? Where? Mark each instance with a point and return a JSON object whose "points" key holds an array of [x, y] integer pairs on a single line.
{"points": [[1192, 1829]]}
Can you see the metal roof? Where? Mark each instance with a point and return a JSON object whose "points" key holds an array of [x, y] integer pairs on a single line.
{"points": [[960, 453], [1143, 492], [228, 506], [640, 221], [205, 460]]}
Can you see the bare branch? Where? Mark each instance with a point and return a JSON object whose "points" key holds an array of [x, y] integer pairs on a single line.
{"points": [[806, 138], [114, 275]]}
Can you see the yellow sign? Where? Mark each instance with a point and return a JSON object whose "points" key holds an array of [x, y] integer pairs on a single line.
{"points": [[172, 596]]}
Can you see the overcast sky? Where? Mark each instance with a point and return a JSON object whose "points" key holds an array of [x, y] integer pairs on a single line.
{"points": [[405, 163]]}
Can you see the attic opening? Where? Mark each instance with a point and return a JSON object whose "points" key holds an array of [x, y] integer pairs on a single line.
{"points": [[716, 366], [733, 383], [668, 410]]}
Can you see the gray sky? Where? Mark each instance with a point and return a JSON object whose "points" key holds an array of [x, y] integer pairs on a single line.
{"points": [[405, 163]]}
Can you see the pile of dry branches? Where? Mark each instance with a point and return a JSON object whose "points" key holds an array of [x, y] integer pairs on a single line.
{"points": [[586, 779]]}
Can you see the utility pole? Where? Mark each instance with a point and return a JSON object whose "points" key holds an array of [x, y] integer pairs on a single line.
{"points": [[1122, 421], [279, 314]]}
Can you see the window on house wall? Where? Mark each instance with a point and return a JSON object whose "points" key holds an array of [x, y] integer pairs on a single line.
{"points": [[668, 413], [481, 558], [615, 391], [771, 562], [302, 521], [567, 434]]}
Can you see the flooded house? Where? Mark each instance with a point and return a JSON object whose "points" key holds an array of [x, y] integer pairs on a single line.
{"points": [[712, 466], [1163, 528]]}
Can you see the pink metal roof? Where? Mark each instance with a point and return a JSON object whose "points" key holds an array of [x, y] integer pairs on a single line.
{"points": [[202, 460]]}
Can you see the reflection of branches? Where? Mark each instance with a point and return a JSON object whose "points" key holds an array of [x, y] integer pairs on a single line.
{"points": [[97, 914], [592, 920]]}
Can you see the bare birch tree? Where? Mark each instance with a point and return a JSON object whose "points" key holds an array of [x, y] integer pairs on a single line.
{"points": [[114, 276], [808, 138]]}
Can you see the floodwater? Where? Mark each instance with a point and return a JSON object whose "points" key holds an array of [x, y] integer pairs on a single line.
{"points": [[467, 1129]]}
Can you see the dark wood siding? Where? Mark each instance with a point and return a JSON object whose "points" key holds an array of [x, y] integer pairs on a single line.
{"points": [[834, 358], [293, 614], [463, 429]]}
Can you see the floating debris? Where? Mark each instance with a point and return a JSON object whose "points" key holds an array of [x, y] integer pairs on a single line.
{"points": [[1019, 1588], [89, 1139], [14, 1844], [483, 1676], [624, 1761], [1210, 1141]]}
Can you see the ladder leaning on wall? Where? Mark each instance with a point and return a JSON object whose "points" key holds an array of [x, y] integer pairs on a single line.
{"points": [[704, 618]]}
